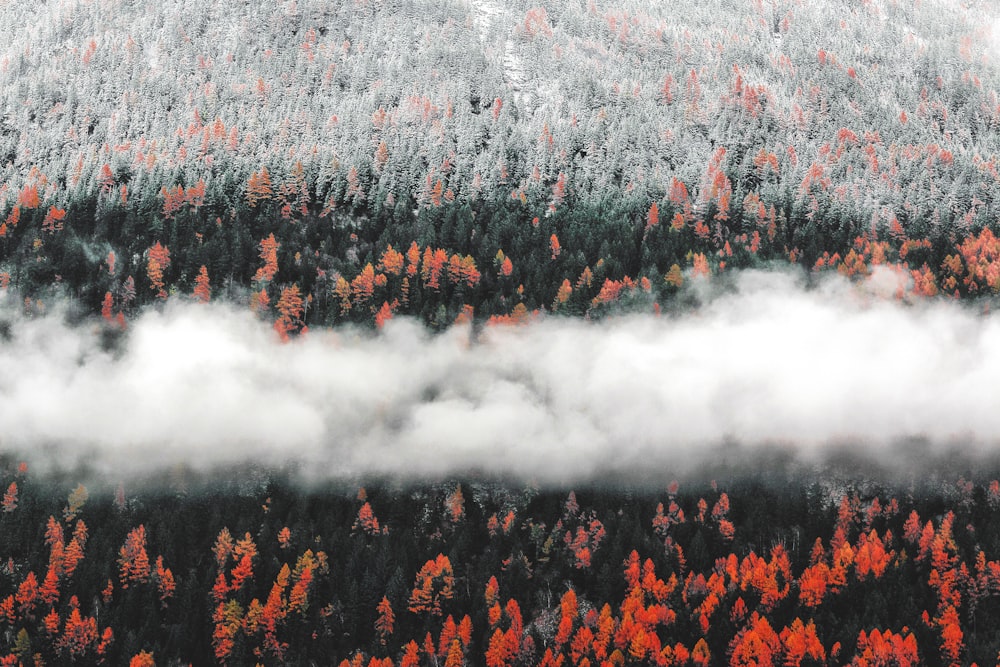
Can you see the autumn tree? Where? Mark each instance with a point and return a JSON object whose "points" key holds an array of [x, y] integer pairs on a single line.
{"points": [[202, 289], [269, 253], [290, 309], [434, 585], [385, 621], [133, 561], [158, 261]]}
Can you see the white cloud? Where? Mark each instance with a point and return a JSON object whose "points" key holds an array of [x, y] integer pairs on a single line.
{"points": [[769, 363]]}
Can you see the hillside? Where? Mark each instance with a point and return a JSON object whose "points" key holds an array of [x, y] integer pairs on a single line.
{"points": [[516, 333], [603, 149]]}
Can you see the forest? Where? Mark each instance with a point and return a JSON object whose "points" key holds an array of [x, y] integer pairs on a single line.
{"points": [[450, 160], [692, 359], [787, 567]]}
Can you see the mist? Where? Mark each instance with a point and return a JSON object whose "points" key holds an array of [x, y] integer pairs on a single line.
{"points": [[768, 364]]}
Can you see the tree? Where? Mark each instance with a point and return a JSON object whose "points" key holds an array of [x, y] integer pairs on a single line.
{"points": [[142, 659], [164, 581], [158, 261], [290, 309], [367, 521], [455, 505], [106, 307], [27, 594], [434, 585], [385, 621], [10, 498], [391, 261], [259, 187], [302, 576], [202, 289], [53, 221], [223, 548], [80, 634], [133, 561], [652, 216], [269, 253]]}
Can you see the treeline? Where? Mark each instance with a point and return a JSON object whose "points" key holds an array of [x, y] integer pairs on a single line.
{"points": [[501, 259]]}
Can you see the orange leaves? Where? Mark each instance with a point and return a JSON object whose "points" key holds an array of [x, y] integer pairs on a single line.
{"points": [[554, 246], [504, 646], [757, 644], [385, 621], [142, 659], [28, 197], [80, 634], [106, 307], [173, 200], [558, 192], [886, 648], [463, 269], [158, 261], [27, 594], [764, 160], [412, 259], [290, 309], [385, 313], [433, 263], [10, 223], [611, 289], [53, 221], [223, 547], [302, 576], [800, 642], [568, 612], [10, 498], [454, 505], [202, 288], [355, 191], [268, 253], [342, 291], [381, 156], [259, 188], [363, 285], [106, 179], [982, 261], [951, 635], [771, 579], [391, 261], [871, 556], [674, 276], [652, 216], [562, 296], [700, 266], [165, 583], [227, 618], [367, 522], [133, 561], [434, 585]]}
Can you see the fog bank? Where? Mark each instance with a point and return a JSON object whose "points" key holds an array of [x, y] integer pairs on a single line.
{"points": [[768, 364]]}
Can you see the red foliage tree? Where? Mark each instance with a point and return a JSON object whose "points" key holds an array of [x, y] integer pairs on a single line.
{"points": [[434, 585], [133, 561], [268, 253], [202, 289], [385, 621]]}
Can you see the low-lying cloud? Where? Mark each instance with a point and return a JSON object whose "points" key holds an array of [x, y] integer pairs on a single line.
{"points": [[769, 363]]}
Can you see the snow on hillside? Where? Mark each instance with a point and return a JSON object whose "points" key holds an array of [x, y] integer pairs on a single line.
{"points": [[617, 95]]}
